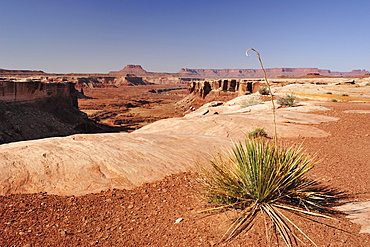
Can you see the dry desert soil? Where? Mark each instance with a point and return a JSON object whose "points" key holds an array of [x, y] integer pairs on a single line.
{"points": [[130, 107], [147, 215]]}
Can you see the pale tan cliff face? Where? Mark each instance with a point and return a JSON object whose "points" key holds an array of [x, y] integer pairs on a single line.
{"points": [[11, 91]]}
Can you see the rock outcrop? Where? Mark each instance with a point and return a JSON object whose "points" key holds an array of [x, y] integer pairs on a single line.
{"points": [[108, 81], [26, 90], [82, 164], [237, 86], [33, 109]]}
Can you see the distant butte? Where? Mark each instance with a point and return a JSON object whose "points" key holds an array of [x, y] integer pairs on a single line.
{"points": [[132, 69]]}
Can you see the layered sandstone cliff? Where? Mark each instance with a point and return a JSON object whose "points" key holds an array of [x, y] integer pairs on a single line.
{"points": [[28, 90], [237, 86], [32, 109]]}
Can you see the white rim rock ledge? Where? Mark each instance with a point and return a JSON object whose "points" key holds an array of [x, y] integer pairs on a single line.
{"points": [[82, 164]]}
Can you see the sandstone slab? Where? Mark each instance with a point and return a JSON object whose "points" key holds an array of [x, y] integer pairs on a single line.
{"points": [[234, 121], [82, 164], [359, 213]]}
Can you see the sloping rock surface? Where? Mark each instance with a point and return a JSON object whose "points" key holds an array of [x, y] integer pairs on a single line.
{"points": [[233, 120], [82, 164]]}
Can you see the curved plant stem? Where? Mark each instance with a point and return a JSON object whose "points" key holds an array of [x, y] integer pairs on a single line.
{"points": [[268, 85]]}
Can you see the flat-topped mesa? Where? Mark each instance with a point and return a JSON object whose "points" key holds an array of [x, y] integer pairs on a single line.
{"points": [[132, 69], [258, 73], [20, 73]]}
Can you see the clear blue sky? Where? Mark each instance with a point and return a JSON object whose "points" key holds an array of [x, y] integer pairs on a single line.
{"points": [[166, 35]]}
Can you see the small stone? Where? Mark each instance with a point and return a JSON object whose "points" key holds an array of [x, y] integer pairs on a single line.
{"points": [[179, 220]]}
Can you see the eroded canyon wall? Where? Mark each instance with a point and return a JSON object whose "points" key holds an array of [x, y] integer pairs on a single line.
{"points": [[28, 90], [237, 86], [31, 109]]}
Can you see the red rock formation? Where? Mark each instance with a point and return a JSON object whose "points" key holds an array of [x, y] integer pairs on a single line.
{"points": [[12, 91], [238, 87], [132, 69], [108, 81], [257, 73], [31, 109]]}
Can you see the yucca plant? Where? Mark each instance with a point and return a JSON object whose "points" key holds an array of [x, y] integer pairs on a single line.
{"points": [[260, 178]]}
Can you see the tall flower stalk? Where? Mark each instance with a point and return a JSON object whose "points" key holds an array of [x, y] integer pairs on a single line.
{"points": [[269, 87], [260, 178]]}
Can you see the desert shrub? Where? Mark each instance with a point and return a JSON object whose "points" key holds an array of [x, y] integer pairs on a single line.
{"points": [[287, 100], [263, 91], [329, 93], [257, 133], [259, 178], [334, 100], [251, 101], [345, 94]]}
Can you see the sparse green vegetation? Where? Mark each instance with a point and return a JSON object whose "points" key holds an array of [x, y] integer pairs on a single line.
{"points": [[257, 133], [251, 101], [263, 91], [334, 100], [287, 100], [261, 180], [258, 178]]}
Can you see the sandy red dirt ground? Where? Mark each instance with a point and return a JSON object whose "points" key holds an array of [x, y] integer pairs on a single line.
{"points": [[146, 216], [131, 107]]}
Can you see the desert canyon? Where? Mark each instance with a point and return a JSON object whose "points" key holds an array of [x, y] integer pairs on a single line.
{"points": [[108, 159]]}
